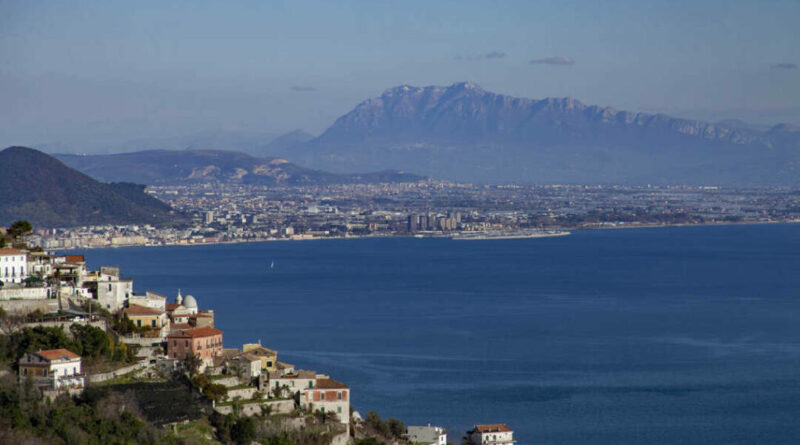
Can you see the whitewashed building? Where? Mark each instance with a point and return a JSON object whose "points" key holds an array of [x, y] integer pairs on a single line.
{"points": [[494, 434], [328, 396], [13, 265], [427, 435], [58, 369], [112, 290], [149, 299]]}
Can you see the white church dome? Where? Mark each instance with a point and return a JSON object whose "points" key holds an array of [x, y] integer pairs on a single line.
{"points": [[189, 302]]}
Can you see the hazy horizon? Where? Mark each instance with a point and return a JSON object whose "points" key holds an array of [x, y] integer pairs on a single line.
{"points": [[93, 77]]}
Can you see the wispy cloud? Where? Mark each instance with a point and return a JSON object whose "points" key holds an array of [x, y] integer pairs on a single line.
{"points": [[784, 66], [303, 88], [486, 56], [553, 61]]}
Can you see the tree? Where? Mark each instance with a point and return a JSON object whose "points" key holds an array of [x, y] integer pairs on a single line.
{"points": [[325, 416], [91, 341], [396, 427], [215, 391], [223, 425], [192, 364], [244, 430], [19, 228]]}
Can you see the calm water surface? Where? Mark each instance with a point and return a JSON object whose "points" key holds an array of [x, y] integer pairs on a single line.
{"points": [[678, 335]]}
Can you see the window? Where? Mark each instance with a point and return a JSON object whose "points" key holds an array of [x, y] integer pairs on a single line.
{"points": [[24, 371], [174, 343], [153, 323], [139, 323], [44, 372], [322, 395], [339, 395], [339, 409], [109, 287]]}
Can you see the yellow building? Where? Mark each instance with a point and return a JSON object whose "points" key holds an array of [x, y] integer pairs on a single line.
{"points": [[146, 317], [269, 358]]}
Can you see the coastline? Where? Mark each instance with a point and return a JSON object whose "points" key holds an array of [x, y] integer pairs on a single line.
{"points": [[452, 236]]}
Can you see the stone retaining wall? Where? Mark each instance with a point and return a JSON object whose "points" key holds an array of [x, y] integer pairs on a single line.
{"points": [[22, 307], [242, 393], [227, 381], [141, 341], [102, 377], [64, 324], [25, 293], [249, 409]]}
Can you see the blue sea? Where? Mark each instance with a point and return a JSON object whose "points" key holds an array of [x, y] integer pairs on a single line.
{"points": [[684, 335]]}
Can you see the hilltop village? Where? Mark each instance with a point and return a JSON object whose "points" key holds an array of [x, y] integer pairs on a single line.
{"points": [[68, 331]]}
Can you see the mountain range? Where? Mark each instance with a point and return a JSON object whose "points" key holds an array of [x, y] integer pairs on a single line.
{"points": [[41, 189], [463, 132], [154, 167]]}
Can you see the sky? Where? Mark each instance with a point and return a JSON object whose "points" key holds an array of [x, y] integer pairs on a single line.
{"points": [[85, 76]]}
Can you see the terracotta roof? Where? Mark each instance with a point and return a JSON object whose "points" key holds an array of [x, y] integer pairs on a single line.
{"points": [[230, 352], [200, 315], [197, 332], [171, 306], [9, 251], [248, 356], [262, 352], [494, 428], [74, 258], [58, 354], [141, 310], [282, 365], [179, 326], [329, 384]]}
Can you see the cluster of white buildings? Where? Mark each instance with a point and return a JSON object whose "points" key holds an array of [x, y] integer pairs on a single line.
{"points": [[493, 434], [253, 373]]}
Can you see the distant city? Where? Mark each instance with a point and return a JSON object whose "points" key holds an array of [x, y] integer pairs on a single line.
{"points": [[219, 213]]}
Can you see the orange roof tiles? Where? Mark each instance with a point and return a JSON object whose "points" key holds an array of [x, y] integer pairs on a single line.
{"points": [[58, 354], [6, 251], [329, 384], [196, 332], [179, 327], [493, 428], [141, 310]]}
